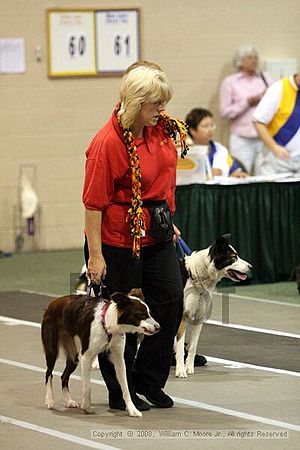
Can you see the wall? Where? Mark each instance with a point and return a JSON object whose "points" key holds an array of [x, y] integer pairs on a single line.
{"points": [[49, 123]]}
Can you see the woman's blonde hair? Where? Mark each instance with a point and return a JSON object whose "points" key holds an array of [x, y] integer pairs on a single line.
{"points": [[143, 82]]}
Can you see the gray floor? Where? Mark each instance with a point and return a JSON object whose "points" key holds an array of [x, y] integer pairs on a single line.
{"points": [[249, 387]]}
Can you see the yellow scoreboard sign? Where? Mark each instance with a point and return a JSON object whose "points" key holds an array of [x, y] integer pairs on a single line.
{"points": [[92, 42]]}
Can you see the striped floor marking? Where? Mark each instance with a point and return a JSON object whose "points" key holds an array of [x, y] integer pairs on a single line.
{"points": [[206, 406], [57, 434]]}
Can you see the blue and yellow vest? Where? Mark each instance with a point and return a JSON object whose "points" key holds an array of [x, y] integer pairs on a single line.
{"points": [[286, 121]]}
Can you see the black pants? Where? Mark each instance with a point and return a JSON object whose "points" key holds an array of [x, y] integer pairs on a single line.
{"points": [[157, 273]]}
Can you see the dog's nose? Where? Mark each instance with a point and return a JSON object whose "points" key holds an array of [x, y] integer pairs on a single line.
{"points": [[249, 266], [157, 326]]}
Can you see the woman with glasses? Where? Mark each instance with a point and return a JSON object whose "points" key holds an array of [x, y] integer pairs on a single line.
{"points": [[201, 130], [239, 95]]}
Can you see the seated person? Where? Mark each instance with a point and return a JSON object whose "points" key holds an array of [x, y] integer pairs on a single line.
{"points": [[201, 130]]}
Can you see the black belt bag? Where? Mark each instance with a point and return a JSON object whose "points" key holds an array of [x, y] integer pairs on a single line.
{"points": [[161, 224]]}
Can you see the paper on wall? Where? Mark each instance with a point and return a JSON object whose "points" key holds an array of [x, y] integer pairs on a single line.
{"points": [[12, 55]]}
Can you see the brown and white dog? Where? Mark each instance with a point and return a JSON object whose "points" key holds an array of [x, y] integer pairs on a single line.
{"points": [[201, 271], [85, 327]]}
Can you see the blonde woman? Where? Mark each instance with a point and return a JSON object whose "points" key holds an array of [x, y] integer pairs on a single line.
{"points": [[129, 187], [239, 95]]}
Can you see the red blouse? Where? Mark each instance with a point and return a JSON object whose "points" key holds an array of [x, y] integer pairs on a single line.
{"points": [[107, 185]]}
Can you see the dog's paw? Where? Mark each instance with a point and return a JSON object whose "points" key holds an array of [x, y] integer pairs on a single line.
{"points": [[88, 411], [180, 372], [49, 402], [86, 407], [189, 368], [72, 404], [133, 411], [50, 405]]}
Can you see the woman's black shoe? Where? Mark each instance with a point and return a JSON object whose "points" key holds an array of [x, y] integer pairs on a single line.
{"points": [[155, 395], [118, 403], [200, 360]]}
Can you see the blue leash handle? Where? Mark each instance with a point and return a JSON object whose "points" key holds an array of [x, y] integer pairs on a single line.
{"points": [[184, 249]]}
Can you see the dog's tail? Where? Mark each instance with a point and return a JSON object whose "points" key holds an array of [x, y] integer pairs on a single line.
{"points": [[50, 340]]}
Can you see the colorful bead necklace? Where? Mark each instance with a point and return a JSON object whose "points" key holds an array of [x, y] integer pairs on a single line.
{"points": [[136, 215]]}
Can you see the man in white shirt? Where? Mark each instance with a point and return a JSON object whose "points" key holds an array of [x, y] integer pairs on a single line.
{"points": [[277, 121]]}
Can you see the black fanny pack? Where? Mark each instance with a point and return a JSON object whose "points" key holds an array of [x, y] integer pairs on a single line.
{"points": [[161, 225]]}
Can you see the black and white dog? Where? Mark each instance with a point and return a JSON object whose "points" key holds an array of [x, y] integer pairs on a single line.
{"points": [[201, 271], [85, 327]]}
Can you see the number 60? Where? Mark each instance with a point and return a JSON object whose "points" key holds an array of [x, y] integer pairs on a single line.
{"points": [[73, 51]]}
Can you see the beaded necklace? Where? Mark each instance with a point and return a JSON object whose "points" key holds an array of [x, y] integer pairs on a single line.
{"points": [[136, 215]]}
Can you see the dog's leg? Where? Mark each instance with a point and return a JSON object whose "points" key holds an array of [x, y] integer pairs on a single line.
{"points": [[50, 343], [180, 369], [86, 365], [117, 358], [69, 369], [195, 333], [49, 399]]}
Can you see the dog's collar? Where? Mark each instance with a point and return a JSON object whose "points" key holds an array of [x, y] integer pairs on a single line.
{"points": [[103, 315]]}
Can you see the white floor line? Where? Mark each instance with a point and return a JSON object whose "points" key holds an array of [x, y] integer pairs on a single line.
{"points": [[257, 330], [231, 412], [12, 321], [183, 401], [57, 434], [240, 365], [46, 294], [40, 369], [257, 299]]}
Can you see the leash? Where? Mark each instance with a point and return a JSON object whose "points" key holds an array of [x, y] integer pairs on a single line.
{"points": [[98, 290], [183, 248]]}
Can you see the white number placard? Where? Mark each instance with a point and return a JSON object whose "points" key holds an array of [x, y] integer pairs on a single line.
{"points": [[117, 40], [71, 43]]}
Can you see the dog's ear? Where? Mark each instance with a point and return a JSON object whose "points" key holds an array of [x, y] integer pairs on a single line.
{"points": [[223, 241], [219, 246], [227, 237], [137, 292], [120, 298]]}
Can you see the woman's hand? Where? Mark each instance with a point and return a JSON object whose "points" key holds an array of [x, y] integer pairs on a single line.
{"points": [[176, 234], [96, 269], [254, 100]]}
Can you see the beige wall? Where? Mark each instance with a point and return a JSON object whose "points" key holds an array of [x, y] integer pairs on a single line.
{"points": [[49, 123]]}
